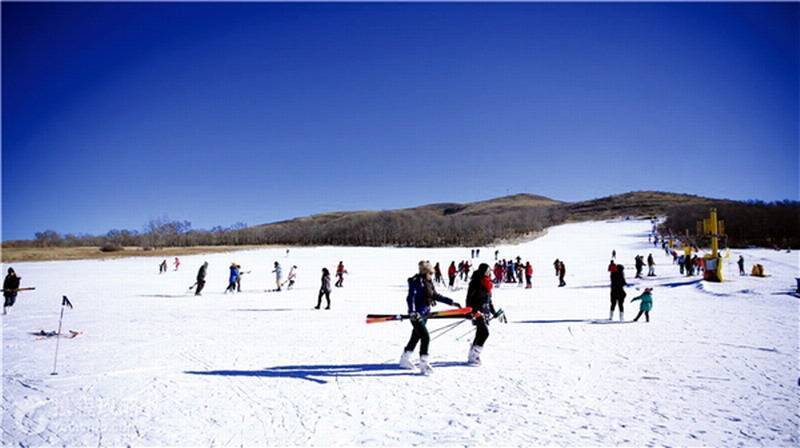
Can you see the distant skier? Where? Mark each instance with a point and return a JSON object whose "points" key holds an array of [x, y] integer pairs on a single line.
{"points": [[651, 266], [324, 289], [162, 268], [618, 294], [528, 275], [177, 263], [557, 266], [496, 253], [421, 297], [451, 272], [278, 274], [291, 277], [646, 306], [10, 290], [437, 270], [340, 271], [562, 272], [479, 298], [639, 260], [741, 265], [232, 278], [614, 252], [201, 278], [239, 278]]}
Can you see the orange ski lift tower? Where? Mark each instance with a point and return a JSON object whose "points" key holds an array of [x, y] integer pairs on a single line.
{"points": [[714, 229]]}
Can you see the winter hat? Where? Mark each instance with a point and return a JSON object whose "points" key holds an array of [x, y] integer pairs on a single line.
{"points": [[425, 267], [647, 290]]}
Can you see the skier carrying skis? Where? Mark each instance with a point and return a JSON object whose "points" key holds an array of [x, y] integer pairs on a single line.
{"points": [[479, 298], [324, 289], [646, 306], [201, 278], [10, 289], [278, 273], [618, 294], [421, 297]]}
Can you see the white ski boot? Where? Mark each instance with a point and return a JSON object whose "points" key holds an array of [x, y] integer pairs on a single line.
{"points": [[405, 361], [621, 316], [424, 367], [474, 358], [611, 315]]}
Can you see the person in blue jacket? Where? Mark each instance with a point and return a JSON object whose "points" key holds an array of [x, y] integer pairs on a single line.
{"points": [[422, 296], [646, 305], [234, 276]]}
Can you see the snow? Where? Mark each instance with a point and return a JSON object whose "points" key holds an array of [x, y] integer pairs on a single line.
{"points": [[156, 366]]}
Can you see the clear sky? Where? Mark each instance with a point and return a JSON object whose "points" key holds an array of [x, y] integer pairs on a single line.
{"points": [[116, 114]]}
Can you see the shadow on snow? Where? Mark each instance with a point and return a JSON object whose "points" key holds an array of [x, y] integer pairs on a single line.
{"points": [[574, 321], [318, 373]]}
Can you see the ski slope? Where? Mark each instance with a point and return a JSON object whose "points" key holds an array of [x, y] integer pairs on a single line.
{"points": [[156, 366]]}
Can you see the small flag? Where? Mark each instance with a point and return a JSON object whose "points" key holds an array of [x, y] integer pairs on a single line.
{"points": [[65, 302]]}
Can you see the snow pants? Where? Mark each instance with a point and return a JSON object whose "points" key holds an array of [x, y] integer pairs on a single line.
{"points": [[646, 315], [200, 285], [618, 297], [452, 280], [420, 333], [10, 299], [327, 295], [481, 332]]}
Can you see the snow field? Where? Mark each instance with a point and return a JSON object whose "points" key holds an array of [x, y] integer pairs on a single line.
{"points": [[156, 366]]}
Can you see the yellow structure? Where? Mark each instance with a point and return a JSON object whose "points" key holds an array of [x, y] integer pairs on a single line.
{"points": [[714, 229]]}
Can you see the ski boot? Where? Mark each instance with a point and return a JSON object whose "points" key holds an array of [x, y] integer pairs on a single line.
{"points": [[405, 361], [424, 367]]}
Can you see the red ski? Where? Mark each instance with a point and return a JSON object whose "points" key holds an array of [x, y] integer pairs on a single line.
{"points": [[446, 314]]}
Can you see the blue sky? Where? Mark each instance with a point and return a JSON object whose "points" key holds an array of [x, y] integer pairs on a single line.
{"points": [[116, 114]]}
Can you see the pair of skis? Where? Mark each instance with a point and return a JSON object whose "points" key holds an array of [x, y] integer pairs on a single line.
{"points": [[446, 314]]}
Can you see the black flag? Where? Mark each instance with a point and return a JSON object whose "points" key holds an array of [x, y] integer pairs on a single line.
{"points": [[65, 302]]}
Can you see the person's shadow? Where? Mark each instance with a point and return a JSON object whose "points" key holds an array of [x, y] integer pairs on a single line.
{"points": [[318, 373]]}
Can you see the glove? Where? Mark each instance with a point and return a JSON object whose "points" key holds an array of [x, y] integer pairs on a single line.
{"points": [[456, 304], [413, 316]]}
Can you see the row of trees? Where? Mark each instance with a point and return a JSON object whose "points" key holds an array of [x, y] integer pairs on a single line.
{"points": [[751, 223], [400, 228]]}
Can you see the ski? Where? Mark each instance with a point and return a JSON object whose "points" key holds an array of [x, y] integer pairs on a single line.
{"points": [[446, 314], [20, 289]]}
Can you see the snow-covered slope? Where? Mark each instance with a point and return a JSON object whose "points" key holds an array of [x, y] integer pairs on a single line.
{"points": [[156, 366]]}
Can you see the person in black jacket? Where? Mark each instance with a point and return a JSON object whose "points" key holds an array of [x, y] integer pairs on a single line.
{"points": [[479, 298], [10, 289], [618, 291], [201, 278]]}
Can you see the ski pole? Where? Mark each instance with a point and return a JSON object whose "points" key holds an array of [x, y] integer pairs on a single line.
{"points": [[452, 327], [442, 328], [64, 302]]}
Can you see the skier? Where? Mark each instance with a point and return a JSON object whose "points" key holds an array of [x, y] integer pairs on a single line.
{"points": [[741, 265], [639, 265], [239, 278], [278, 271], [498, 273], [646, 306], [479, 298], [162, 268], [234, 276], [562, 271], [292, 275], [422, 296], [528, 275], [201, 278], [177, 263], [651, 266], [614, 252], [10, 289], [451, 272], [557, 265], [496, 253], [438, 274], [618, 294], [324, 289], [340, 271]]}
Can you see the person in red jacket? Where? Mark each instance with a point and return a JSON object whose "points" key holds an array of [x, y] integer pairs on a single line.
{"points": [[340, 271], [528, 275], [479, 298], [451, 272]]}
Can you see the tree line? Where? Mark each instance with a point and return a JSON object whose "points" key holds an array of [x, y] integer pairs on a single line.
{"points": [[752, 223], [413, 228]]}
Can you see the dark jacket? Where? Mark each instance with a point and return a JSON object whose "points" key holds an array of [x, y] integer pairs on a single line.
{"points": [[11, 285], [479, 296], [618, 284], [422, 296], [201, 274]]}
